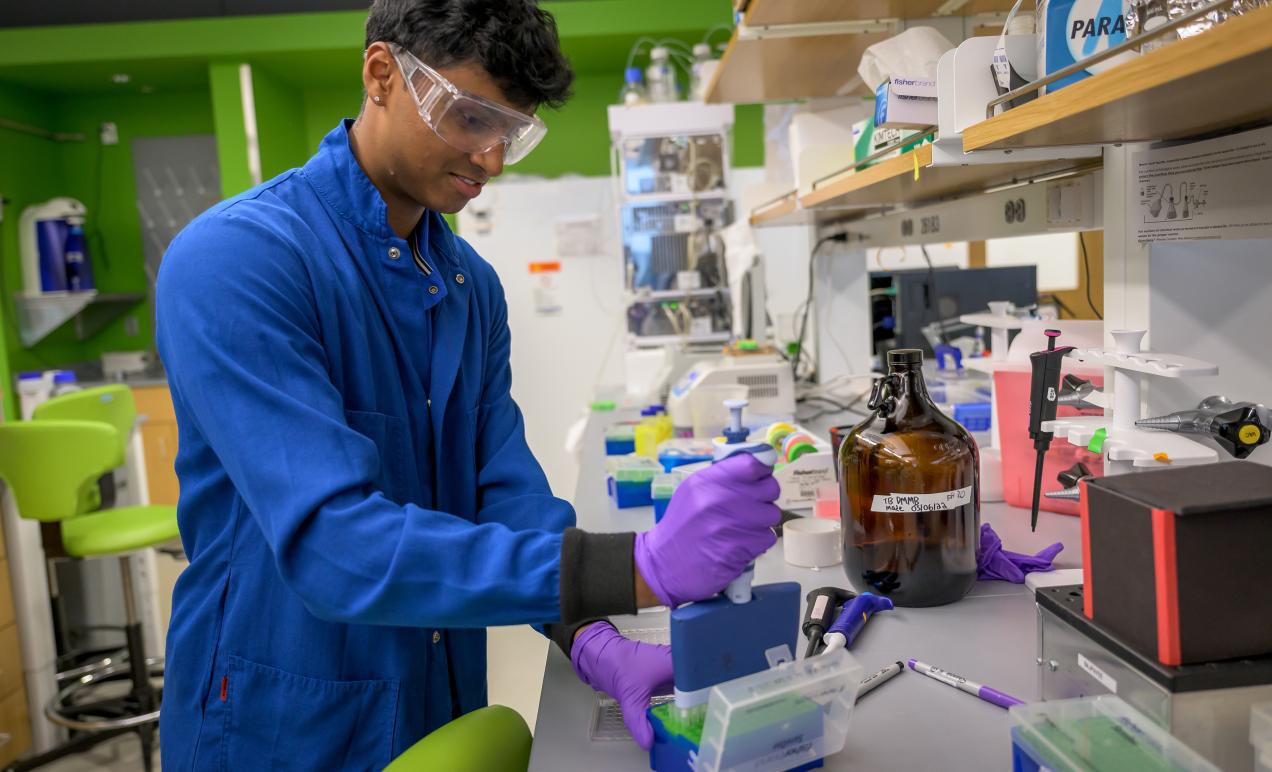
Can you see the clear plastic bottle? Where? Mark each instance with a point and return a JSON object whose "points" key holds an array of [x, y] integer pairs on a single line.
{"points": [[700, 72], [661, 77], [910, 500], [634, 87]]}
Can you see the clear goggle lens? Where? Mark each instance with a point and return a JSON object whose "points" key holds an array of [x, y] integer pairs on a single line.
{"points": [[467, 122]]}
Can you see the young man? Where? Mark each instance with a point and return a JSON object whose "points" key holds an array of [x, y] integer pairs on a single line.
{"points": [[357, 498]]}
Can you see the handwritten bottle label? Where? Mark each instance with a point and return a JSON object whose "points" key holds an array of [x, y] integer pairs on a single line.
{"points": [[921, 502]]}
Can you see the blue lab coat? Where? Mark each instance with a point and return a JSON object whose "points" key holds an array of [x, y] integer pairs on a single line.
{"points": [[352, 524]]}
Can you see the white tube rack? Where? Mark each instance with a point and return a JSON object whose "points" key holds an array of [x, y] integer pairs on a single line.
{"points": [[1000, 322], [1147, 362], [1125, 446], [1134, 446]]}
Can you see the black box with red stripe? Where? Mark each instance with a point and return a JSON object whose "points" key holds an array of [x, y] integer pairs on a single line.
{"points": [[1178, 561]]}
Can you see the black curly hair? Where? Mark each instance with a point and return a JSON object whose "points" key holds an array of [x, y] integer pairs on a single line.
{"points": [[513, 40]]}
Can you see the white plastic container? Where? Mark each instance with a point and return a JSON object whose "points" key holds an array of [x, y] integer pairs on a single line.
{"points": [[811, 542], [36, 388], [780, 718], [33, 389]]}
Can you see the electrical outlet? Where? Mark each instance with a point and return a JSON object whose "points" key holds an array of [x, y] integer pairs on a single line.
{"points": [[131, 326], [110, 133]]}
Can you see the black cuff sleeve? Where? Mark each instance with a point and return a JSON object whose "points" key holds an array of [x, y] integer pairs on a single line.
{"points": [[563, 635], [597, 575]]}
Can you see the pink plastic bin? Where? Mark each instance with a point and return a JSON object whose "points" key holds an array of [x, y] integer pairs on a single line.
{"points": [[1011, 390]]}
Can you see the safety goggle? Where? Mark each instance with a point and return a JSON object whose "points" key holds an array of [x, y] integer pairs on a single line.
{"points": [[467, 122]]}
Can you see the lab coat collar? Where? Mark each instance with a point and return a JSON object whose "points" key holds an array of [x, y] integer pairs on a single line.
{"points": [[336, 175]]}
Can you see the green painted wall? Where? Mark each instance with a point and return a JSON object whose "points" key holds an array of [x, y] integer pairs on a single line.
{"points": [[279, 113], [227, 121], [28, 175], [33, 170], [323, 106]]}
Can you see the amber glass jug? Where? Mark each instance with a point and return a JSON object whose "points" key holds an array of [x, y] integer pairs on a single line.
{"points": [[910, 500]]}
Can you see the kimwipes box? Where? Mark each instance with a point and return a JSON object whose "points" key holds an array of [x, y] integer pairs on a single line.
{"points": [[1178, 562]]}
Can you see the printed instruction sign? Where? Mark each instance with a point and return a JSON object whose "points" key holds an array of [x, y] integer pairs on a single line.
{"points": [[1213, 189], [921, 502], [579, 236]]}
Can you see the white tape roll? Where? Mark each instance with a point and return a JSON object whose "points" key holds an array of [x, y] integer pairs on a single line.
{"points": [[812, 542]]}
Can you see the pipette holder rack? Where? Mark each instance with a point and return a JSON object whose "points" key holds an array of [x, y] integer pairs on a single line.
{"points": [[1126, 447], [1000, 322]]}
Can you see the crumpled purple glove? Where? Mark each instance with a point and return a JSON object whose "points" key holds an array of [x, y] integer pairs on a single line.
{"points": [[994, 562], [629, 671], [719, 520]]}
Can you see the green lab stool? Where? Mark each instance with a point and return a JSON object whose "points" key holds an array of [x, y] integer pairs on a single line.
{"points": [[492, 739], [49, 465], [111, 404]]}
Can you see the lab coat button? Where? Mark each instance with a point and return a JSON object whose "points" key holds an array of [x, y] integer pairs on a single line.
{"points": [[432, 290], [394, 253], [459, 278], [437, 637]]}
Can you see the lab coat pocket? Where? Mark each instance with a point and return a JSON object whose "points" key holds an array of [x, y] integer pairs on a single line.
{"points": [[392, 443], [283, 721]]}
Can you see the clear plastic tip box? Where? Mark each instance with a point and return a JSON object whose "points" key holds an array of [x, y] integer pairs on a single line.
{"points": [[1095, 734], [780, 718]]}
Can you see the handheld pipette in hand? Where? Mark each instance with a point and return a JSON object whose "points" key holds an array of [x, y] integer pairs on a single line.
{"points": [[736, 441], [1044, 386]]}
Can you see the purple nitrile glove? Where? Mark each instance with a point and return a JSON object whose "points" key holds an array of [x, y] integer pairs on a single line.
{"points": [[629, 671], [718, 522], [994, 562]]}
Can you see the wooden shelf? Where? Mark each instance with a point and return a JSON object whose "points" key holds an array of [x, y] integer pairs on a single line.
{"points": [[763, 13], [893, 182], [814, 66], [1216, 80], [784, 68], [776, 210], [782, 211]]}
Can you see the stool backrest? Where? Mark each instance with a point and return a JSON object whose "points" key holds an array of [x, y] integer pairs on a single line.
{"points": [[112, 404], [48, 464]]}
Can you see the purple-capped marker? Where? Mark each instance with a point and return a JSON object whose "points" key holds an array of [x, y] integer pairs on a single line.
{"points": [[986, 693]]}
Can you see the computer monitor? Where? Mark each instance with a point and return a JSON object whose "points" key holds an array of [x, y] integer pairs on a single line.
{"points": [[904, 302]]}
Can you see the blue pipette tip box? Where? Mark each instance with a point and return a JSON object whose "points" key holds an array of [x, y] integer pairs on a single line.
{"points": [[629, 494], [619, 447]]}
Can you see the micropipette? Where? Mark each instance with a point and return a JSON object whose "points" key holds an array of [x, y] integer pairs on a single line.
{"points": [[1043, 387]]}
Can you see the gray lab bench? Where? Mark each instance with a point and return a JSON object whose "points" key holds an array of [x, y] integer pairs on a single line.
{"points": [[910, 723]]}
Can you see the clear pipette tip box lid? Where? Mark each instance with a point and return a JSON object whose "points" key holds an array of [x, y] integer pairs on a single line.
{"points": [[781, 718], [664, 485], [633, 469], [1095, 734]]}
